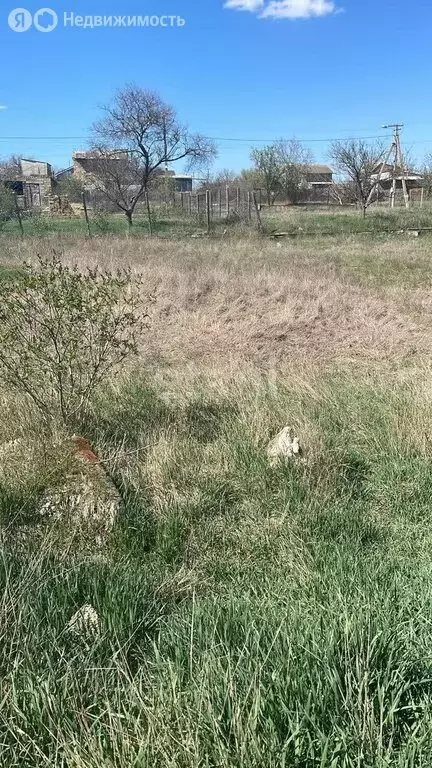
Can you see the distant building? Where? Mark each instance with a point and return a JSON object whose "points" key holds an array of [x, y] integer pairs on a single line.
{"points": [[389, 173], [34, 185], [183, 183], [180, 183], [90, 162], [85, 164], [319, 176]]}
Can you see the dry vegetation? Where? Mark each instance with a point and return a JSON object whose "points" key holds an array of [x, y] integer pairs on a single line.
{"points": [[235, 300]]}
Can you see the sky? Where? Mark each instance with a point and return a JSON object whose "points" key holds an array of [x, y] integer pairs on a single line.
{"points": [[245, 72]]}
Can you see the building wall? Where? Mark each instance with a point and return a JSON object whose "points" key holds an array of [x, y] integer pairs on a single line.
{"points": [[320, 178], [35, 168], [183, 183], [38, 188]]}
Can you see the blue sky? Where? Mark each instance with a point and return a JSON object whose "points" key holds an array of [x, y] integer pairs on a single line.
{"points": [[258, 69]]}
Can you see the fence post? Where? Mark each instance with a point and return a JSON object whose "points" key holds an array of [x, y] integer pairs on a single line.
{"points": [[249, 195], [86, 214], [238, 200], [227, 191], [18, 214], [258, 214], [220, 202], [208, 208]]}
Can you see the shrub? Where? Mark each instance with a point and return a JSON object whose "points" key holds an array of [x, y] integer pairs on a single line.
{"points": [[63, 331], [7, 205]]}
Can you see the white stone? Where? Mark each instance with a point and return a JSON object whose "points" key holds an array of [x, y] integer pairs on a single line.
{"points": [[85, 623], [285, 446]]}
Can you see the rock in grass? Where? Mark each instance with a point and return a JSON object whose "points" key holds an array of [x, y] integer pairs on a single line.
{"points": [[284, 447], [87, 502], [85, 623]]}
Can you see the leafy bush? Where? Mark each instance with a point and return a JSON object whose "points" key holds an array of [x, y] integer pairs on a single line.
{"points": [[63, 331]]}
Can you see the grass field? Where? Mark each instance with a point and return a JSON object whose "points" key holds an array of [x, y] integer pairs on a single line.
{"points": [[295, 220], [252, 616]]}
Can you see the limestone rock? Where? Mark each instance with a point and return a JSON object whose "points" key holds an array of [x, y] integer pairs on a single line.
{"points": [[87, 502], [284, 447], [85, 623]]}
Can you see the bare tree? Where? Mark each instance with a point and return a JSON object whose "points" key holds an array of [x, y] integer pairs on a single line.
{"points": [[293, 158], [427, 176], [10, 168], [120, 178], [140, 123], [357, 161], [282, 168], [342, 192], [267, 169]]}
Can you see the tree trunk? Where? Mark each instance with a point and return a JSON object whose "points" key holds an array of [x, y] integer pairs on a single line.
{"points": [[149, 213], [129, 218]]}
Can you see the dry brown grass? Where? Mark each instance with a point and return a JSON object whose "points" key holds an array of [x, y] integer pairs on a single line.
{"points": [[236, 300]]}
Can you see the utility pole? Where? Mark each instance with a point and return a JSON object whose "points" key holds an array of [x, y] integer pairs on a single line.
{"points": [[166, 163], [398, 164]]}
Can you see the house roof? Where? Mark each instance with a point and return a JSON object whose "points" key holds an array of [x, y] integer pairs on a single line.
{"points": [[95, 154], [313, 168]]}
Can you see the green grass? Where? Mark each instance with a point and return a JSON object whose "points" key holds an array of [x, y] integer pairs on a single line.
{"points": [[251, 616], [174, 224], [334, 222], [297, 221]]}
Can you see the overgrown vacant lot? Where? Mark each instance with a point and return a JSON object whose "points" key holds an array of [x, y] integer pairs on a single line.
{"points": [[251, 616], [235, 299]]}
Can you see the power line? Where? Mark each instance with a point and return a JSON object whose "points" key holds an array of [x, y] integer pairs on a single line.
{"points": [[213, 138]]}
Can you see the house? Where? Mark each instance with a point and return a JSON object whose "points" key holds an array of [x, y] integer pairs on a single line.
{"points": [[87, 163], [388, 173], [318, 176], [183, 183], [33, 185]]}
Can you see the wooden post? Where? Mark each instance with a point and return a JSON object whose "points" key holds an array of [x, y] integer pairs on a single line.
{"points": [[181, 200], [422, 197], [86, 214], [249, 195], [208, 208], [227, 191], [190, 203], [150, 222], [18, 214], [220, 202], [258, 214], [238, 199], [198, 203]]}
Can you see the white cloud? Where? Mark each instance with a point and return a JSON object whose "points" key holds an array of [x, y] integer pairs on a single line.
{"points": [[245, 5], [298, 9], [285, 9], [2, 106]]}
